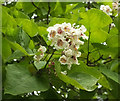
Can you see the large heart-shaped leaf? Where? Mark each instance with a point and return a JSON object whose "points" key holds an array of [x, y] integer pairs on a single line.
{"points": [[19, 80]]}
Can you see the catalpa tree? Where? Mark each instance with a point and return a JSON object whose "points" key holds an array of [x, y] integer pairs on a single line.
{"points": [[60, 50]]}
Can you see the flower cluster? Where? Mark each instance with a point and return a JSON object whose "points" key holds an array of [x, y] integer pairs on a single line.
{"points": [[41, 52], [106, 9], [67, 37]]}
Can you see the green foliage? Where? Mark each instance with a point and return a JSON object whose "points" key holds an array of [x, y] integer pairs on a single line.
{"points": [[6, 50], [39, 64], [112, 75], [23, 33], [32, 29], [9, 24], [77, 79], [93, 18], [19, 80]]}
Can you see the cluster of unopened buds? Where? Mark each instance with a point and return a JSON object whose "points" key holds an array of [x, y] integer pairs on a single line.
{"points": [[40, 52], [67, 38]]}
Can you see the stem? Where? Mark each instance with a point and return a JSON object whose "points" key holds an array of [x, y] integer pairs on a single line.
{"points": [[49, 59], [88, 5], [109, 28], [48, 12], [88, 48], [45, 57], [88, 39]]}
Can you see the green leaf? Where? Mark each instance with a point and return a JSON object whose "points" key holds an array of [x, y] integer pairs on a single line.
{"points": [[85, 80], [51, 94], [114, 93], [31, 44], [117, 22], [44, 34], [69, 8], [19, 14], [6, 49], [28, 26], [58, 9], [19, 80], [98, 36], [60, 20], [29, 5], [16, 55], [72, 94], [91, 71], [113, 31], [85, 69], [95, 18], [22, 38], [77, 79], [9, 24], [104, 82], [90, 95], [18, 47], [112, 41], [39, 64], [112, 75], [114, 65], [18, 5]]}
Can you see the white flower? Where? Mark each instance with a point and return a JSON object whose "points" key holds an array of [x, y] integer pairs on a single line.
{"points": [[66, 26], [68, 52], [63, 59], [115, 5], [60, 44], [78, 54], [52, 33], [84, 36], [102, 7], [83, 29], [73, 60], [106, 9], [38, 57], [42, 49]]}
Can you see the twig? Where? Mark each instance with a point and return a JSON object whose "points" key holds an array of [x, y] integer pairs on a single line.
{"points": [[45, 57], [49, 59], [108, 61], [101, 57], [34, 5]]}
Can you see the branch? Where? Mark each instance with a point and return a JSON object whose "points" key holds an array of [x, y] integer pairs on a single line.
{"points": [[49, 59], [108, 61], [101, 57], [34, 5]]}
